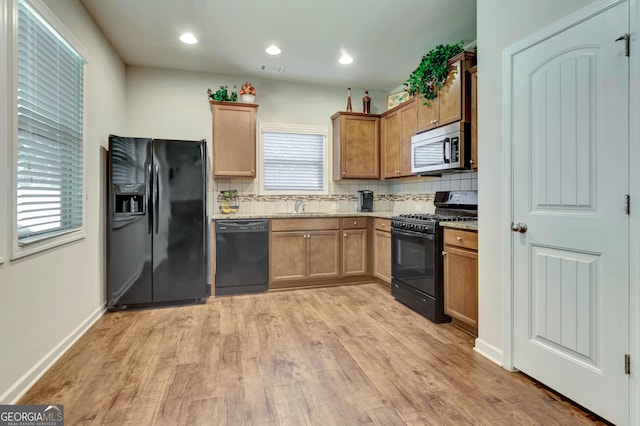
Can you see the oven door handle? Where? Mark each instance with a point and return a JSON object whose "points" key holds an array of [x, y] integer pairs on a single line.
{"points": [[412, 234]]}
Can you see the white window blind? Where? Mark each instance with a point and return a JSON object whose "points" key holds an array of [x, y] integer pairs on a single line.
{"points": [[50, 130], [293, 161]]}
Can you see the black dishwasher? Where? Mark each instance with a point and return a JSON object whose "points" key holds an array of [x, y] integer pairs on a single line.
{"points": [[242, 256]]}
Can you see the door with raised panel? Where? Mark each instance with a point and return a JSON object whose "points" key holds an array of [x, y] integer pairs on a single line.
{"points": [[571, 236], [407, 129], [354, 252], [390, 129], [323, 254], [450, 95], [288, 256]]}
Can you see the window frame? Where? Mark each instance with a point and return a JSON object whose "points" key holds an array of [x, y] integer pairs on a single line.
{"points": [[293, 128], [54, 239], [5, 133]]}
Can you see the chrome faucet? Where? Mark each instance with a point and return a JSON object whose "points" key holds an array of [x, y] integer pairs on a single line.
{"points": [[299, 206]]}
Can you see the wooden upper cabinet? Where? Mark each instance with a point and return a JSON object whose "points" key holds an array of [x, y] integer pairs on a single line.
{"points": [[407, 129], [452, 102], [356, 142], [397, 126], [474, 117], [390, 130], [234, 139]]}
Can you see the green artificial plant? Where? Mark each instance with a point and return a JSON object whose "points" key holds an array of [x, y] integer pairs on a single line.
{"points": [[222, 94], [432, 71]]}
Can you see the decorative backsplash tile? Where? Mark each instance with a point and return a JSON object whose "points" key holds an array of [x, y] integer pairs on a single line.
{"points": [[253, 203], [404, 196]]}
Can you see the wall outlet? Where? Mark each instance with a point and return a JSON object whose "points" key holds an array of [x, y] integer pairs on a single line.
{"points": [[418, 207], [335, 206]]}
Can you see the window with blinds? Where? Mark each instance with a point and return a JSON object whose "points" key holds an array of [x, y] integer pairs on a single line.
{"points": [[50, 130], [293, 161]]}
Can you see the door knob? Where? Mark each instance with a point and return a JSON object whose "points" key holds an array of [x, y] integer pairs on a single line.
{"points": [[519, 227]]}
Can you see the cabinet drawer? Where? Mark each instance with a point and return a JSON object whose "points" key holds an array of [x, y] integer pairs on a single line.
{"points": [[354, 222], [466, 239], [382, 224], [310, 224]]}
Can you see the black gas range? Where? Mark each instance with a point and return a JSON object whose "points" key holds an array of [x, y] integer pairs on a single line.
{"points": [[416, 252]]}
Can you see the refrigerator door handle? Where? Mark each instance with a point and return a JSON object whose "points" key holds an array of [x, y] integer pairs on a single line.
{"points": [[149, 203], [156, 200]]}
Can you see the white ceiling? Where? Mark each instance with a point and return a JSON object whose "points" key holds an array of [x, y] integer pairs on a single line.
{"points": [[386, 38]]}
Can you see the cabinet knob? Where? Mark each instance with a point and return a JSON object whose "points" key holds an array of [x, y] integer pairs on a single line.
{"points": [[444, 253], [459, 238], [471, 161], [355, 222], [344, 173], [345, 235], [253, 170]]}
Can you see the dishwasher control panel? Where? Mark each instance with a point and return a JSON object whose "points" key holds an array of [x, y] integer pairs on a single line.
{"points": [[232, 225]]}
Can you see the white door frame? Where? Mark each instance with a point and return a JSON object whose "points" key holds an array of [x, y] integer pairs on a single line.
{"points": [[508, 55]]}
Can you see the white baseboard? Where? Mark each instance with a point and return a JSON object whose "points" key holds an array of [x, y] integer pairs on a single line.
{"points": [[19, 388], [489, 351]]}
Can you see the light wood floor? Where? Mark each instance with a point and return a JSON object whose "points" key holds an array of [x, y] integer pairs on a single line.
{"points": [[333, 356]]}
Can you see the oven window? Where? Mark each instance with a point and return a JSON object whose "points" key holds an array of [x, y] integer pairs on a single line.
{"points": [[413, 261], [428, 154]]}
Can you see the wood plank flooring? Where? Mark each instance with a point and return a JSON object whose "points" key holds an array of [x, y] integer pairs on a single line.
{"points": [[332, 356]]}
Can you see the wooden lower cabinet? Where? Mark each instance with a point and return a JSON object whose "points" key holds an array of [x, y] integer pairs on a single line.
{"points": [[322, 254], [354, 252], [354, 246], [303, 250], [288, 256], [382, 251], [318, 251], [299, 255], [461, 278]]}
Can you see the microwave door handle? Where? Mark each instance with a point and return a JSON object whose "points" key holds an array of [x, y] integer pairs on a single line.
{"points": [[446, 145]]}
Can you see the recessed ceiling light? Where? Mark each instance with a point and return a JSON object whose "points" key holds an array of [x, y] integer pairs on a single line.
{"points": [[273, 50], [345, 59], [188, 38]]}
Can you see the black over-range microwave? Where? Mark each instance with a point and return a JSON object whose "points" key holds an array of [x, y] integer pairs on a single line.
{"points": [[446, 148]]}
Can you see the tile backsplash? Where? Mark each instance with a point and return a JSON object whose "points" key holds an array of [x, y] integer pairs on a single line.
{"points": [[406, 196]]}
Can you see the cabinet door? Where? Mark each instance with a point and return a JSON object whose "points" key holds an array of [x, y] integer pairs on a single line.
{"points": [[323, 249], [426, 116], [288, 256], [382, 256], [474, 118], [407, 129], [359, 147], [390, 129], [450, 96], [234, 140], [461, 285], [354, 252]]}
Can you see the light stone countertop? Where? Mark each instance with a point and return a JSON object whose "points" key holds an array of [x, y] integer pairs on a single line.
{"points": [[378, 214], [469, 226]]}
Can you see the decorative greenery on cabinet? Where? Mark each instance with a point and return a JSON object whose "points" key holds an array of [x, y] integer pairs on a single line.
{"points": [[430, 75]]}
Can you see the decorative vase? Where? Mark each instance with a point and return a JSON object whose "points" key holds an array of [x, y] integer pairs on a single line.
{"points": [[248, 98]]}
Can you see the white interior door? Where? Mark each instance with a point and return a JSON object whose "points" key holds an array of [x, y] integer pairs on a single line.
{"points": [[570, 177]]}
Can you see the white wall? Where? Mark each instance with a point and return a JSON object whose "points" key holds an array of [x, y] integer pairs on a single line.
{"points": [[174, 105], [500, 24], [49, 298]]}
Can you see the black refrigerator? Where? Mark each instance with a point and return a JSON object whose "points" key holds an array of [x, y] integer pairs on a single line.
{"points": [[157, 224]]}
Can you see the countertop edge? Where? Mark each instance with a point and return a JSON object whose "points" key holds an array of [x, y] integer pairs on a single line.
{"points": [[240, 216], [468, 226]]}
